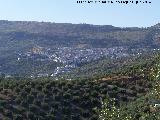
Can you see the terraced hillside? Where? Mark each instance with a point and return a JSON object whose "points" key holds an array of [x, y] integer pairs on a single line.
{"points": [[68, 99]]}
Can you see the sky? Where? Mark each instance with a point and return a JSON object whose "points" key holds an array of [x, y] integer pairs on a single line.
{"points": [[69, 11]]}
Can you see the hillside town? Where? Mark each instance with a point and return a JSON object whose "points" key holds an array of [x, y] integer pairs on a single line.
{"points": [[71, 57]]}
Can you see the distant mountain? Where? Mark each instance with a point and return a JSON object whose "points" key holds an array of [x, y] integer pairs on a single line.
{"points": [[14, 33]]}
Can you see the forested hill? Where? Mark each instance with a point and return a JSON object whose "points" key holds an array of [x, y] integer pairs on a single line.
{"points": [[25, 34]]}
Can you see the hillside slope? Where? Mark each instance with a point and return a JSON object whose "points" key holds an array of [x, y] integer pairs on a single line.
{"points": [[65, 34]]}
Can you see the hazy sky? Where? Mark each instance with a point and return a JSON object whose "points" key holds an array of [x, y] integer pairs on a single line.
{"points": [[68, 11]]}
